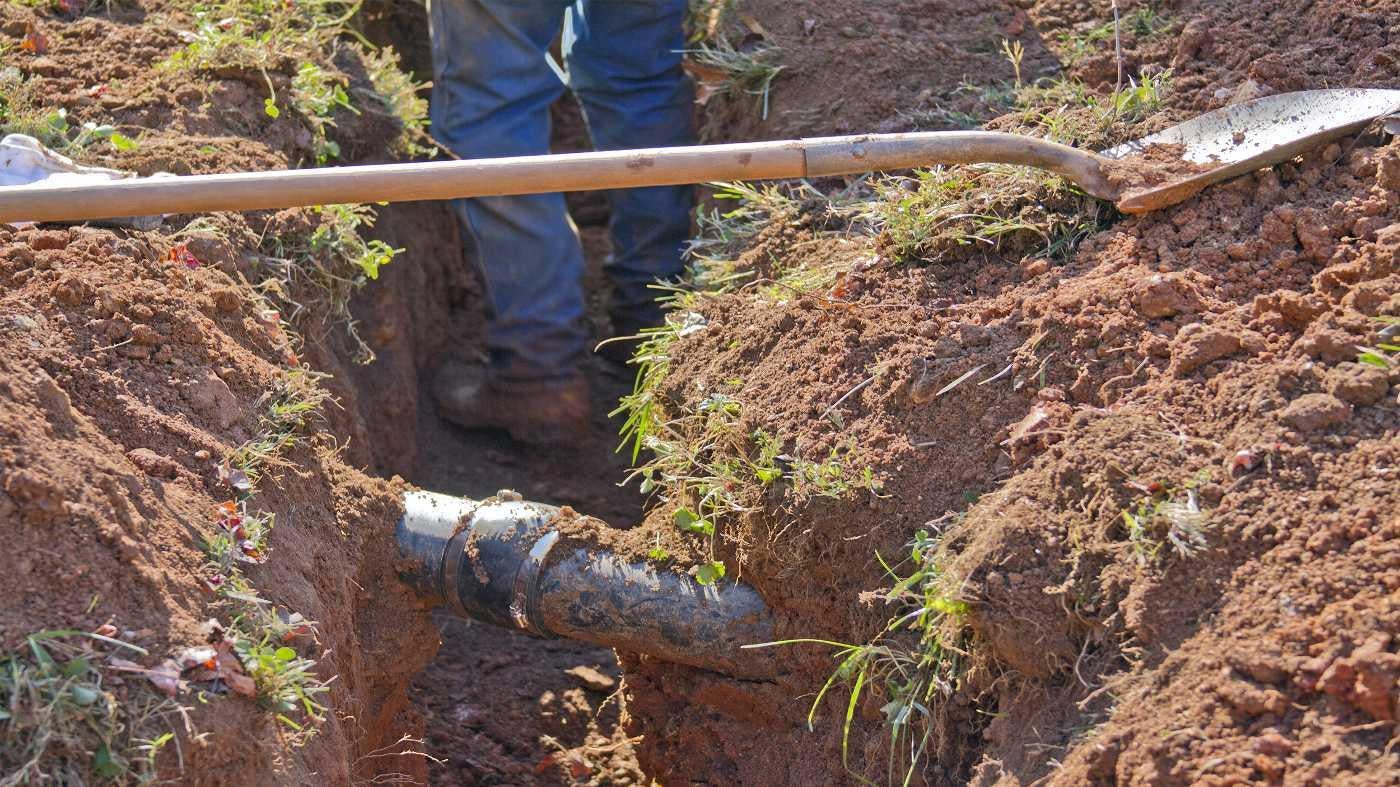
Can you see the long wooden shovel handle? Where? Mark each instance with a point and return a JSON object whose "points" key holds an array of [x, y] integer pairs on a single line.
{"points": [[817, 157]]}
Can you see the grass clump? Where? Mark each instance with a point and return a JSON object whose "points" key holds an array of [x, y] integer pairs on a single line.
{"points": [[716, 255], [401, 97], [287, 410], [1144, 23], [22, 111], [914, 666], [316, 269], [1168, 522], [730, 71], [704, 462], [949, 212], [1069, 112], [64, 721], [294, 39]]}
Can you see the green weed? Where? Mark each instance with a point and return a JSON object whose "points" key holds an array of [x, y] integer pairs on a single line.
{"points": [[275, 36], [1386, 353], [916, 663], [1144, 23], [22, 111], [287, 683], [401, 97], [324, 267], [1070, 113]]}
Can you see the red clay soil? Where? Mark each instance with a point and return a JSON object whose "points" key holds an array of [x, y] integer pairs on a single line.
{"points": [[130, 368], [1211, 347]]}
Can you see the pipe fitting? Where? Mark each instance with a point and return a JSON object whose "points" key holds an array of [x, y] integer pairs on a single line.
{"points": [[494, 561]]}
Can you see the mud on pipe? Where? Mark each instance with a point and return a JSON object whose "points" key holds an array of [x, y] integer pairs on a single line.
{"points": [[495, 561]]}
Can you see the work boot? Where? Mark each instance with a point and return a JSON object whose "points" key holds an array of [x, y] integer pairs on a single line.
{"points": [[551, 411]]}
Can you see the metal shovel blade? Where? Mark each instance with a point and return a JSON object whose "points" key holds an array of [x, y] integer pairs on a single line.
{"points": [[1249, 136]]}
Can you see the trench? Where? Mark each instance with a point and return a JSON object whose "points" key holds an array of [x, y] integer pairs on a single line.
{"points": [[499, 706]]}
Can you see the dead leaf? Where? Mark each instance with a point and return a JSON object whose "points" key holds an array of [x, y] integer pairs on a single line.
{"points": [[705, 91], [166, 677], [34, 42], [704, 73]]}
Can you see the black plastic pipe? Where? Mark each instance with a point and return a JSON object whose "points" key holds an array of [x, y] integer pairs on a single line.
{"points": [[494, 561]]}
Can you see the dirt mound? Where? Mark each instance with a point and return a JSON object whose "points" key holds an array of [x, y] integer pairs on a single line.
{"points": [[181, 531], [1128, 478]]}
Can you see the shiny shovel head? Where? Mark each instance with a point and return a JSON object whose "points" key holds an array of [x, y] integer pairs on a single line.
{"points": [[1245, 137]]}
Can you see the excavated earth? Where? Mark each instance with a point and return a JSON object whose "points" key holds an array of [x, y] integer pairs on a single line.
{"points": [[1212, 346]]}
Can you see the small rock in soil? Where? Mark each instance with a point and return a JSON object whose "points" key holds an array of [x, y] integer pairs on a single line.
{"points": [[1197, 345], [1358, 383], [49, 239], [215, 403], [152, 463], [1312, 412], [591, 678], [33, 491], [1165, 295]]}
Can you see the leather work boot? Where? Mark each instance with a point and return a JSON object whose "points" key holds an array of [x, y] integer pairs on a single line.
{"points": [[541, 412]]}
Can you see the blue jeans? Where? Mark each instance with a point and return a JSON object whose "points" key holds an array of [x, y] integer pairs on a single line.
{"points": [[494, 82]]}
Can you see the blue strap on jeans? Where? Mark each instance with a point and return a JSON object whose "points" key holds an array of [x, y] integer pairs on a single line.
{"points": [[494, 82]]}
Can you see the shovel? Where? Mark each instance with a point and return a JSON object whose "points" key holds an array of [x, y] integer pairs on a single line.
{"points": [[1184, 159]]}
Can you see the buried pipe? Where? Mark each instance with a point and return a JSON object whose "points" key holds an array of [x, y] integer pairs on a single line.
{"points": [[495, 561]]}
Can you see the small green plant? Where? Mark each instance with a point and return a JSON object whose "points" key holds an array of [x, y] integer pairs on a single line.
{"points": [[1145, 23], [318, 95], [709, 573], [658, 553], [62, 722], [1015, 53], [287, 682], [324, 267], [915, 676], [1168, 521], [287, 409], [401, 97], [749, 71], [1386, 353]]}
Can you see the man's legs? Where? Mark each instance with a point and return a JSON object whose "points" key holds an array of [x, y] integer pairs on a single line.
{"points": [[492, 88], [624, 64]]}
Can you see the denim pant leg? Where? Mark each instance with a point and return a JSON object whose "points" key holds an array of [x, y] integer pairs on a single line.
{"points": [[624, 64], [493, 84]]}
